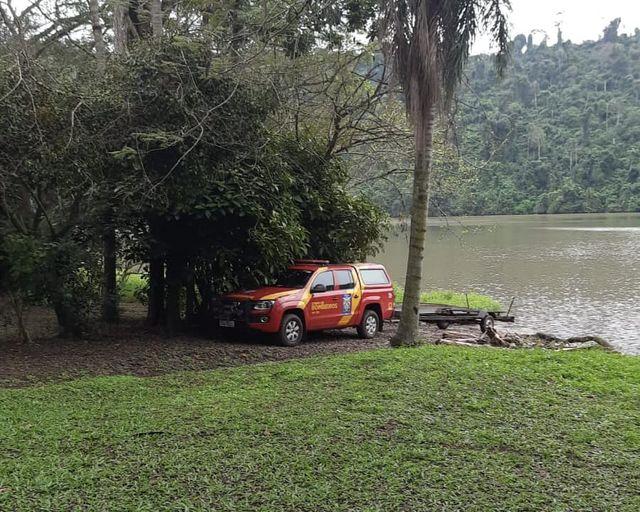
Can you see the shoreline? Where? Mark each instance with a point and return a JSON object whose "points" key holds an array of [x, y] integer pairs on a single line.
{"points": [[134, 349]]}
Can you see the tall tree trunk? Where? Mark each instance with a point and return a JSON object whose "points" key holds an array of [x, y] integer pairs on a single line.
{"points": [[98, 39], [69, 322], [17, 303], [120, 26], [155, 308], [174, 287], [190, 296], [109, 279], [236, 25], [156, 18], [407, 333], [156, 305], [206, 297], [109, 247]]}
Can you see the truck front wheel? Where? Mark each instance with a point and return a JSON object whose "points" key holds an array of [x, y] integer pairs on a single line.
{"points": [[369, 325], [291, 330]]}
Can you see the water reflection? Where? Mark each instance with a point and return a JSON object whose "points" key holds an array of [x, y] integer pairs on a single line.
{"points": [[570, 274]]}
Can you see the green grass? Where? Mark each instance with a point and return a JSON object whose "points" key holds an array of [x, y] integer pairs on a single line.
{"points": [[452, 298], [432, 428], [130, 285]]}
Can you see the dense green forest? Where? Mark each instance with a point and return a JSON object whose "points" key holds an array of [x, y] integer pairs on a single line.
{"points": [[558, 133]]}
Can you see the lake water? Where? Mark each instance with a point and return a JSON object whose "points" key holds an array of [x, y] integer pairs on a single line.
{"points": [[570, 274]]}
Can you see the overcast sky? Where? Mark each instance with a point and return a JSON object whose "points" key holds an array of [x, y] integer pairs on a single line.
{"points": [[580, 20]]}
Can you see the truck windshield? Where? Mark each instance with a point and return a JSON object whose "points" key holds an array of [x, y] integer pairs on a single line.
{"points": [[294, 278]]}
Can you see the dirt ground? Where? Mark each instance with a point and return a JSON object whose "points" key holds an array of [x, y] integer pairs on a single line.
{"points": [[132, 348]]}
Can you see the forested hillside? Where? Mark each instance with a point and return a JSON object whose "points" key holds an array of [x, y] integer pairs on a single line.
{"points": [[560, 132]]}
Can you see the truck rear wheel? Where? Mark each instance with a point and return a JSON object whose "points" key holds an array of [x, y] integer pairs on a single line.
{"points": [[486, 322], [291, 330], [369, 325]]}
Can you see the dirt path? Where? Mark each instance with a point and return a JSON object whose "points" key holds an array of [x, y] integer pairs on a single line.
{"points": [[131, 348]]}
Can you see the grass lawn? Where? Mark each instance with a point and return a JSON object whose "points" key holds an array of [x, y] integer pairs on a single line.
{"points": [[433, 428]]}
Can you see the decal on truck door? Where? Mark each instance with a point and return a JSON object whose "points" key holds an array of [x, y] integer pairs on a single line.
{"points": [[346, 304], [322, 306]]}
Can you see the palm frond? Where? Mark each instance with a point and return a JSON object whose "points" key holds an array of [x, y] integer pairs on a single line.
{"points": [[428, 43]]}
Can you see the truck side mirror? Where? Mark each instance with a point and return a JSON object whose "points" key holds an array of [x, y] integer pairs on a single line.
{"points": [[318, 288]]}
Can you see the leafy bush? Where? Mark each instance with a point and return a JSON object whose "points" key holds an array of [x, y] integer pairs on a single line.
{"points": [[133, 288]]}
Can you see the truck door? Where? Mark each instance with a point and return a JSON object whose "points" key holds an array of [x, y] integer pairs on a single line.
{"points": [[350, 295], [325, 306]]}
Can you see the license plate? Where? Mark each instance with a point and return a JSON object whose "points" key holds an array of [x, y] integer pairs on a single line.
{"points": [[227, 323]]}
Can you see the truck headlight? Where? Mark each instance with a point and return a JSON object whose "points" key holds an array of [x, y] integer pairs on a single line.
{"points": [[264, 304]]}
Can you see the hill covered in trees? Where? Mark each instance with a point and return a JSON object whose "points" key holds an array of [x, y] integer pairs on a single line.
{"points": [[559, 133]]}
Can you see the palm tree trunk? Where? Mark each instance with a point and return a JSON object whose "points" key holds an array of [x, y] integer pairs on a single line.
{"points": [[407, 333]]}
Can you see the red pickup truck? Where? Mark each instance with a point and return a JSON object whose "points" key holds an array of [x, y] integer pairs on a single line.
{"points": [[313, 295]]}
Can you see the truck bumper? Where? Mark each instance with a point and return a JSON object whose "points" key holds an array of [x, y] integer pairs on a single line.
{"points": [[255, 322]]}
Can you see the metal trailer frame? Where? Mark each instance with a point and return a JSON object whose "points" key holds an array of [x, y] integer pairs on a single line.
{"points": [[444, 315]]}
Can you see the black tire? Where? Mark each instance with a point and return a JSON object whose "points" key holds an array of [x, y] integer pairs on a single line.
{"points": [[487, 321], [442, 324], [291, 325], [369, 325]]}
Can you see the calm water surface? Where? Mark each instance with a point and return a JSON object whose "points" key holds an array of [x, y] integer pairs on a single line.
{"points": [[569, 274]]}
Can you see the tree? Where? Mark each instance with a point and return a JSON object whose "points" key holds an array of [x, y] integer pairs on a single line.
{"points": [[610, 34], [46, 189], [428, 44], [177, 146]]}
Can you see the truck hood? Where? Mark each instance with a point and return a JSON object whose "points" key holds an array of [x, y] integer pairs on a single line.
{"points": [[265, 293]]}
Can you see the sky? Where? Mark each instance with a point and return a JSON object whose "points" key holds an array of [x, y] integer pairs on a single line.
{"points": [[580, 20]]}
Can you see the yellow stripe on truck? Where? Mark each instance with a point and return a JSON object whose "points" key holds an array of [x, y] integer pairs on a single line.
{"points": [[356, 297], [277, 295]]}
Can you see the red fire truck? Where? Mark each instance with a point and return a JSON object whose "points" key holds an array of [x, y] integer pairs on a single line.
{"points": [[312, 295]]}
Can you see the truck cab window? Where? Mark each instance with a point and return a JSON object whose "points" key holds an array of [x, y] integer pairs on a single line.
{"points": [[374, 276], [344, 280], [325, 278]]}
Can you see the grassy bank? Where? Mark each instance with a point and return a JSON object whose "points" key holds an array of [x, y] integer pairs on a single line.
{"points": [[434, 428], [135, 282], [451, 298]]}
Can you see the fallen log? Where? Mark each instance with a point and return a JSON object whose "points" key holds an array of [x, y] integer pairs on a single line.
{"points": [[575, 339], [494, 337], [513, 340], [471, 343]]}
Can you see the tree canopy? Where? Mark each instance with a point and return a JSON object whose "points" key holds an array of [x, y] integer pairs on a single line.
{"points": [[191, 141]]}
